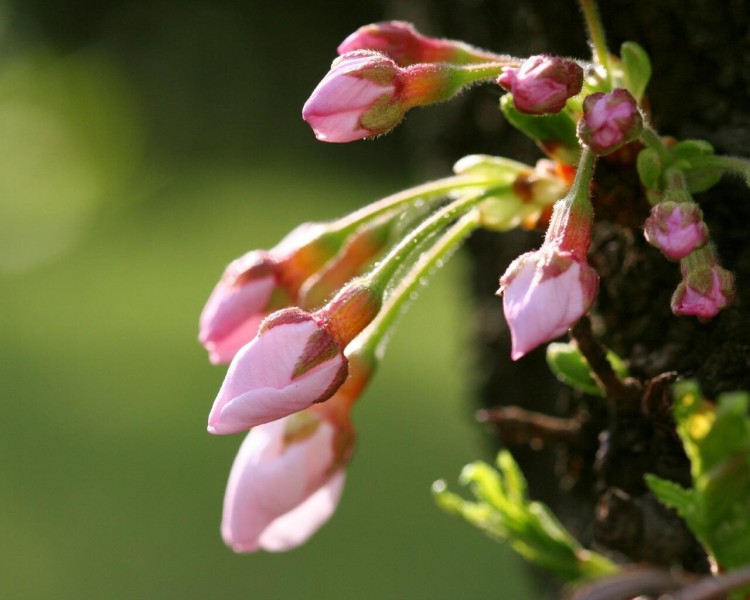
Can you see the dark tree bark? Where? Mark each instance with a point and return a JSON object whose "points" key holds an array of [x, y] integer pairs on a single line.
{"points": [[592, 464]]}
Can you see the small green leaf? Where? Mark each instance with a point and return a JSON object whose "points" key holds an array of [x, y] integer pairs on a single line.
{"points": [[555, 133], [504, 170], [570, 367], [503, 511], [673, 495], [649, 168], [636, 67]]}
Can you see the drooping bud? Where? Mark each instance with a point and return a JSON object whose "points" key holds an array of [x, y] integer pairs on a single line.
{"points": [[676, 228], [285, 482], [542, 84], [367, 94], [706, 288], [404, 44], [544, 293], [257, 283], [609, 121]]}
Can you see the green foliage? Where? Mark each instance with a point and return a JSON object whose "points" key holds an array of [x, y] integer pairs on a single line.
{"points": [[636, 67], [570, 367], [556, 133], [504, 512], [717, 441]]}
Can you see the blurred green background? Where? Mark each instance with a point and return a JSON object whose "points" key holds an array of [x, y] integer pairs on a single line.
{"points": [[143, 145]]}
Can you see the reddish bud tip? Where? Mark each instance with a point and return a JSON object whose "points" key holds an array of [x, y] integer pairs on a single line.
{"points": [[542, 84]]}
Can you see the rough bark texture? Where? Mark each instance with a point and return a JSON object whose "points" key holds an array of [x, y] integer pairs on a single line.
{"points": [[700, 89]]}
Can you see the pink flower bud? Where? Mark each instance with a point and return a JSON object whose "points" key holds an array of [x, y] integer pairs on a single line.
{"points": [[676, 228], [285, 482], [542, 84], [237, 305], [703, 291], [609, 121], [366, 93], [288, 476], [404, 44], [358, 98], [544, 293], [253, 285], [292, 363]]}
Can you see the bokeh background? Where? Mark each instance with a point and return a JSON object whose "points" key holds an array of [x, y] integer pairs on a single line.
{"points": [[143, 145]]}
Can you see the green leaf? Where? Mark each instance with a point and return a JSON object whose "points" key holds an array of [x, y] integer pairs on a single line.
{"points": [[673, 495], [570, 367], [716, 437], [503, 511], [636, 67], [649, 168], [556, 133]]}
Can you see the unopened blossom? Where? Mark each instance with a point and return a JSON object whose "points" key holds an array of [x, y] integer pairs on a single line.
{"points": [[542, 84], [404, 44], [544, 293], [253, 285], [237, 306], [367, 93], [291, 364], [285, 482], [676, 228], [609, 121], [289, 474], [296, 360], [703, 291]]}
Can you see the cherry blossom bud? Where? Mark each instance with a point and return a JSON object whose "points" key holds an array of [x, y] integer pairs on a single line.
{"points": [[609, 121], [255, 284], [358, 98], [366, 93], [285, 482], [542, 84], [292, 363], [296, 360], [404, 44], [544, 293], [288, 475], [676, 228], [237, 306], [704, 291]]}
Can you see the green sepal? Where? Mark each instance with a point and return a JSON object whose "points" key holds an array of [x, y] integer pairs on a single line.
{"points": [[649, 167], [555, 133], [636, 67], [570, 367]]}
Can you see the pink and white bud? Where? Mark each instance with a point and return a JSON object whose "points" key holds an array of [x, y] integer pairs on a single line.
{"points": [[237, 305], [404, 44], [703, 292], [544, 293], [292, 363], [676, 228], [358, 98], [542, 84], [609, 121], [286, 482], [366, 93]]}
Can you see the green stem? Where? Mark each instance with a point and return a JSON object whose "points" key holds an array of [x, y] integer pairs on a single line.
{"points": [[653, 141], [373, 342], [597, 36], [381, 275], [427, 191]]}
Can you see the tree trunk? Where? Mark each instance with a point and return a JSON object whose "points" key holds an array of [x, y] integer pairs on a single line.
{"points": [[700, 89]]}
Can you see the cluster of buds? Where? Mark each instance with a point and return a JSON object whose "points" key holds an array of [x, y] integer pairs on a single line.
{"points": [[296, 370]]}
